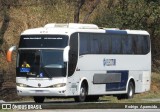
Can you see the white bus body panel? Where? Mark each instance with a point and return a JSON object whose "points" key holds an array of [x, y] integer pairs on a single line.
{"points": [[137, 65]]}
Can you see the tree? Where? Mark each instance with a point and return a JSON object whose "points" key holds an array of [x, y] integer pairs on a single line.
{"points": [[78, 6], [5, 6], [90, 4], [93, 5]]}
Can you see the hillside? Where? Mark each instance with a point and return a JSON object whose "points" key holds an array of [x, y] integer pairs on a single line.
{"points": [[17, 16]]}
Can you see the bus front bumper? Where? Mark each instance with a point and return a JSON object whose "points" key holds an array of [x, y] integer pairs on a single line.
{"points": [[26, 91]]}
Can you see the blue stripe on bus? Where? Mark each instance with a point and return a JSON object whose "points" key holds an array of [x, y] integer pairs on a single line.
{"points": [[118, 86], [116, 32]]}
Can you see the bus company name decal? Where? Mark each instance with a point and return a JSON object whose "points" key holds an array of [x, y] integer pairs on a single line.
{"points": [[109, 62]]}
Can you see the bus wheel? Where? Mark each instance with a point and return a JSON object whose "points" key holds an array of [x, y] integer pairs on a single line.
{"points": [[83, 94], [131, 90], [39, 99]]}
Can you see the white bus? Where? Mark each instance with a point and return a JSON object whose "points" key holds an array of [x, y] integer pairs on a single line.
{"points": [[83, 62]]}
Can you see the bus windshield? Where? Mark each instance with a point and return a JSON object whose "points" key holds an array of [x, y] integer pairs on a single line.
{"points": [[41, 63]]}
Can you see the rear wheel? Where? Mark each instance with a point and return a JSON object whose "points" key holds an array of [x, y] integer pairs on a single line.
{"points": [[39, 99], [130, 92], [83, 94]]}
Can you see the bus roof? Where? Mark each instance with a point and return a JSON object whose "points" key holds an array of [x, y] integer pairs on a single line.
{"points": [[68, 29]]}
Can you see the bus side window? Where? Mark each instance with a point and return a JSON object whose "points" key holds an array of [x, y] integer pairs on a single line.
{"points": [[145, 45], [134, 44], [106, 44], [116, 44], [126, 44], [94, 45], [140, 44], [84, 43]]}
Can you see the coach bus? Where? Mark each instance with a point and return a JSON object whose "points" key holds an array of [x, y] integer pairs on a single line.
{"points": [[82, 61]]}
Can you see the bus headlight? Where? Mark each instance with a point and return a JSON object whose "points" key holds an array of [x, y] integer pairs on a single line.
{"points": [[59, 85], [21, 85]]}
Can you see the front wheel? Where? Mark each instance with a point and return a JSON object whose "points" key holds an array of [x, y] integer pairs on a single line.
{"points": [[39, 99], [83, 94]]}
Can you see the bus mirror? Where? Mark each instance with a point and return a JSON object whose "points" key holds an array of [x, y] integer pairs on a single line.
{"points": [[9, 53], [65, 54]]}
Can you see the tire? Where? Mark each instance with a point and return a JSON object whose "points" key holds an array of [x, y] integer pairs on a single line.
{"points": [[130, 92], [92, 98], [83, 94], [39, 99]]}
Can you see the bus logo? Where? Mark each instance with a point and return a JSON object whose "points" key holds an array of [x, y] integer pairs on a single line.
{"points": [[39, 85], [109, 62]]}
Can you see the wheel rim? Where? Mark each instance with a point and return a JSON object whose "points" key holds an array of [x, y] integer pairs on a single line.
{"points": [[130, 91], [82, 93]]}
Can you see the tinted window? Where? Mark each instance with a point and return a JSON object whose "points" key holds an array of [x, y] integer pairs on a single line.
{"points": [[135, 44], [126, 45], [94, 44], [145, 45], [140, 44], [116, 44], [105, 44], [43, 41], [91, 43], [84, 43]]}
